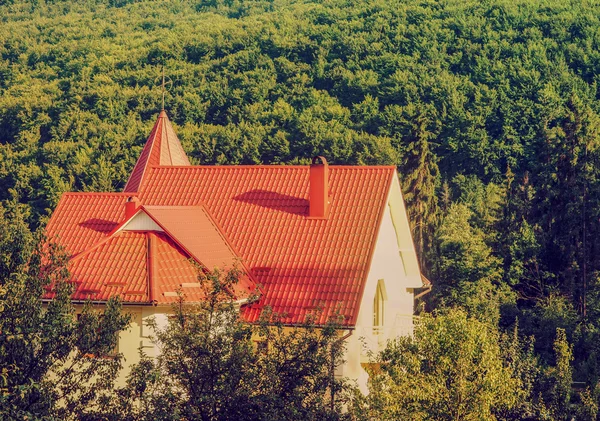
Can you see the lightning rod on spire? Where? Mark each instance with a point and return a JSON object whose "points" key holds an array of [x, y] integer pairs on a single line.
{"points": [[163, 87]]}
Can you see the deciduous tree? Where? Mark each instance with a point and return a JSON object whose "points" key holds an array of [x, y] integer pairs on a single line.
{"points": [[213, 366], [52, 362]]}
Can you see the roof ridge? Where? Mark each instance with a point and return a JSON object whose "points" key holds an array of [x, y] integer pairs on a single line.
{"points": [[169, 233], [165, 136], [275, 166], [94, 246], [200, 205], [94, 193]]}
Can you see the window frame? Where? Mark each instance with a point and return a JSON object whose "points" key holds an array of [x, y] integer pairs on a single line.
{"points": [[379, 304]]}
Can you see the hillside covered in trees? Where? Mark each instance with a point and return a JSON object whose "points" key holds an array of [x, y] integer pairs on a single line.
{"points": [[490, 110]]}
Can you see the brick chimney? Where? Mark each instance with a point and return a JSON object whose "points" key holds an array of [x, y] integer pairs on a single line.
{"points": [[131, 206], [318, 195]]}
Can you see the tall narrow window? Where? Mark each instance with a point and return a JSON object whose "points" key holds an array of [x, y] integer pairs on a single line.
{"points": [[379, 304]]}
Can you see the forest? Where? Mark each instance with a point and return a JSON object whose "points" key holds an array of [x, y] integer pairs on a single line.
{"points": [[490, 109]]}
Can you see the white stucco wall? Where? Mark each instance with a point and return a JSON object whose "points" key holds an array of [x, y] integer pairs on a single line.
{"points": [[395, 262], [138, 335]]}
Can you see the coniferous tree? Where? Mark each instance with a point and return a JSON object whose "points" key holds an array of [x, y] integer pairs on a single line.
{"points": [[419, 175], [566, 198]]}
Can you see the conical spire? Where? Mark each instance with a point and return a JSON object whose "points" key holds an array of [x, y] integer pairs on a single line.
{"points": [[162, 148]]}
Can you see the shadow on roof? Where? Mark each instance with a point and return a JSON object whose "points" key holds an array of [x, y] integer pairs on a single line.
{"points": [[276, 201], [100, 225]]}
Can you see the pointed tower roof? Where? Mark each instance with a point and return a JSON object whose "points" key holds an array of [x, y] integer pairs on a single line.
{"points": [[162, 148]]}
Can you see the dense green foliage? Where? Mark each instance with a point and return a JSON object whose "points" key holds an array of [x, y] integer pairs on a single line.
{"points": [[452, 369], [459, 368], [213, 366], [49, 368], [490, 110]]}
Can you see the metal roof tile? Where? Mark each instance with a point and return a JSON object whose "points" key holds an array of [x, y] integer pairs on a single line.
{"points": [[261, 212]]}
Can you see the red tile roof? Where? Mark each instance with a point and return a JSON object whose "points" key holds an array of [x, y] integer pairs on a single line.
{"points": [[196, 232], [161, 148], [142, 266], [215, 214], [80, 220], [120, 266], [173, 271], [302, 264], [115, 267], [193, 229]]}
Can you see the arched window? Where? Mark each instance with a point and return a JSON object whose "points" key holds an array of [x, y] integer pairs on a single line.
{"points": [[379, 304]]}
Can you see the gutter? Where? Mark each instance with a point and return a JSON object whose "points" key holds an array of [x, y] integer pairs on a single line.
{"points": [[153, 303], [145, 303], [426, 291], [427, 285]]}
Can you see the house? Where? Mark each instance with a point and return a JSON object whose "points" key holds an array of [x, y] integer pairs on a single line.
{"points": [[322, 236]]}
